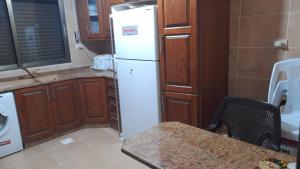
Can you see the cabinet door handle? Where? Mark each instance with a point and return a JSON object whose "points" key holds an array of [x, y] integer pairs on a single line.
{"points": [[48, 95], [162, 104], [161, 44], [53, 97], [177, 37]]}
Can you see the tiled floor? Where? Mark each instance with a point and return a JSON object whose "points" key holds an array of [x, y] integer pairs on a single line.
{"points": [[93, 149]]}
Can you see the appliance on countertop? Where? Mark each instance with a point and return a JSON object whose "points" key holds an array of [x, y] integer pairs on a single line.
{"points": [[137, 65], [10, 136], [103, 62]]}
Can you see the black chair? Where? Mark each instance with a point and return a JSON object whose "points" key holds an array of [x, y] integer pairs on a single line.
{"points": [[249, 120]]}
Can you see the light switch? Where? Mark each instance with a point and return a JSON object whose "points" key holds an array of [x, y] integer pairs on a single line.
{"points": [[281, 44]]}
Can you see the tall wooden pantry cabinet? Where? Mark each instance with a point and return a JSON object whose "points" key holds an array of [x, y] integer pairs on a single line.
{"points": [[194, 41]]}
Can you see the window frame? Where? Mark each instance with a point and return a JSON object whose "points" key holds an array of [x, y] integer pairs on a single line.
{"points": [[65, 38]]}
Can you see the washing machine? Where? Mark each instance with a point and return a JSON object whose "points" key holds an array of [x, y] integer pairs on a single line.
{"points": [[10, 136]]}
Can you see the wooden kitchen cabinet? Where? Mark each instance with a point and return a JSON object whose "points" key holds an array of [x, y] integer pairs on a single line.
{"points": [[178, 14], [194, 45], [35, 113], [66, 105], [178, 64], [178, 54], [93, 19], [93, 100], [180, 107], [49, 110], [114, 2]]}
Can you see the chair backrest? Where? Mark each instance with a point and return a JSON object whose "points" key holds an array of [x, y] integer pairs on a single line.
{"points": [[251, 121], [291, 69]]}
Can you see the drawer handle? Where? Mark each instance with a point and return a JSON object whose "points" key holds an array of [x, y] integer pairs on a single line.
{"points": [[177, 36]]}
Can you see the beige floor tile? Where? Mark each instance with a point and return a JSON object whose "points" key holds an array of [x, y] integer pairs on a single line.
{"points": [[93, 149], [22, 157], [69, 153], [2, 166], [110, 151], [43, 161], [127, 163], [95, 138], [90, 160], [112, 132], [54, 144]]}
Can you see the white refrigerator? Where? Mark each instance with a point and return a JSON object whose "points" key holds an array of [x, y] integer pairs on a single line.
{"points": [[137, 65]]}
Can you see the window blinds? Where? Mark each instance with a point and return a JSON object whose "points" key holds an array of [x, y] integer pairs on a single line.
{"points": [[39, 32], [7, 49]]}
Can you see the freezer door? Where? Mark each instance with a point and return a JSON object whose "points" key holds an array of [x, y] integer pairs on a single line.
{"points": [[135, 33], [138, 83]]}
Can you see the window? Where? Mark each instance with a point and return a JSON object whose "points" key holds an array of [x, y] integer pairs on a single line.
{"points": [[8, 58], [32, 33]]}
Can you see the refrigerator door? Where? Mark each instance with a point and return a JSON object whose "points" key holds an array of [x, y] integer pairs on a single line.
{"points": [[135, 33], [138, 83]]}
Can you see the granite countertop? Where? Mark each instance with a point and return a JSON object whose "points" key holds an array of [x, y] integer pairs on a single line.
{"points": [[178, 146], [10, 84]]}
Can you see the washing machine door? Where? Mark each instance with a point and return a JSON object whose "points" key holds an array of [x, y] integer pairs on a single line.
{"points": [[5, 123]]}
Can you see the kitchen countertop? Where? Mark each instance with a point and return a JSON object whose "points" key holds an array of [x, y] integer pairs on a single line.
{"points": [[10, 84], [178, 146]]}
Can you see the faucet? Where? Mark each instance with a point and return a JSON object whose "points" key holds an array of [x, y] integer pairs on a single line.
{"points": [[28, 72]]}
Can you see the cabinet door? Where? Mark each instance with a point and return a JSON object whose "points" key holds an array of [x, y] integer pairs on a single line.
{"points": [[106, 4], [178, 65], [180, 107], [66, 107], [114, 2], [93, 100], [90, 19], [35, 113], [176, 16]]}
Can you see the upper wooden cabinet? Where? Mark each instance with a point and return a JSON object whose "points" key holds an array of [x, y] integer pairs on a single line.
{"points": [[35, 113], [178, 53], [93, 19], [178, 65], [177, 14], [94, 100], [66, 105]]}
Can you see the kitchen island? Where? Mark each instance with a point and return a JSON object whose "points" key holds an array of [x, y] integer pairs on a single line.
{"points": [[178, 146]]}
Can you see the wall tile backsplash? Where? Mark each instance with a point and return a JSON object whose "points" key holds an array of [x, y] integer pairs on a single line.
{"points": [[255, 24]]}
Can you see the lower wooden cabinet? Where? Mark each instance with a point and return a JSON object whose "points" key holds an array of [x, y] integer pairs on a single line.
{"points": [[35, 113], [48, 110], [93, 100], [66, 105], [180, 107]]}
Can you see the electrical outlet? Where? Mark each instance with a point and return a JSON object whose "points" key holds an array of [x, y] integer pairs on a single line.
{"points": [[281, 44]]}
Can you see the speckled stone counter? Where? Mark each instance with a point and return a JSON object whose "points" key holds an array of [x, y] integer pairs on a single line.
{"points": [[178, 146], [51, 77]]}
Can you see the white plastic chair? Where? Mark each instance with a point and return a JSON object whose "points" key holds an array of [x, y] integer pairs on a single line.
{"points": [[290, 117]]}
